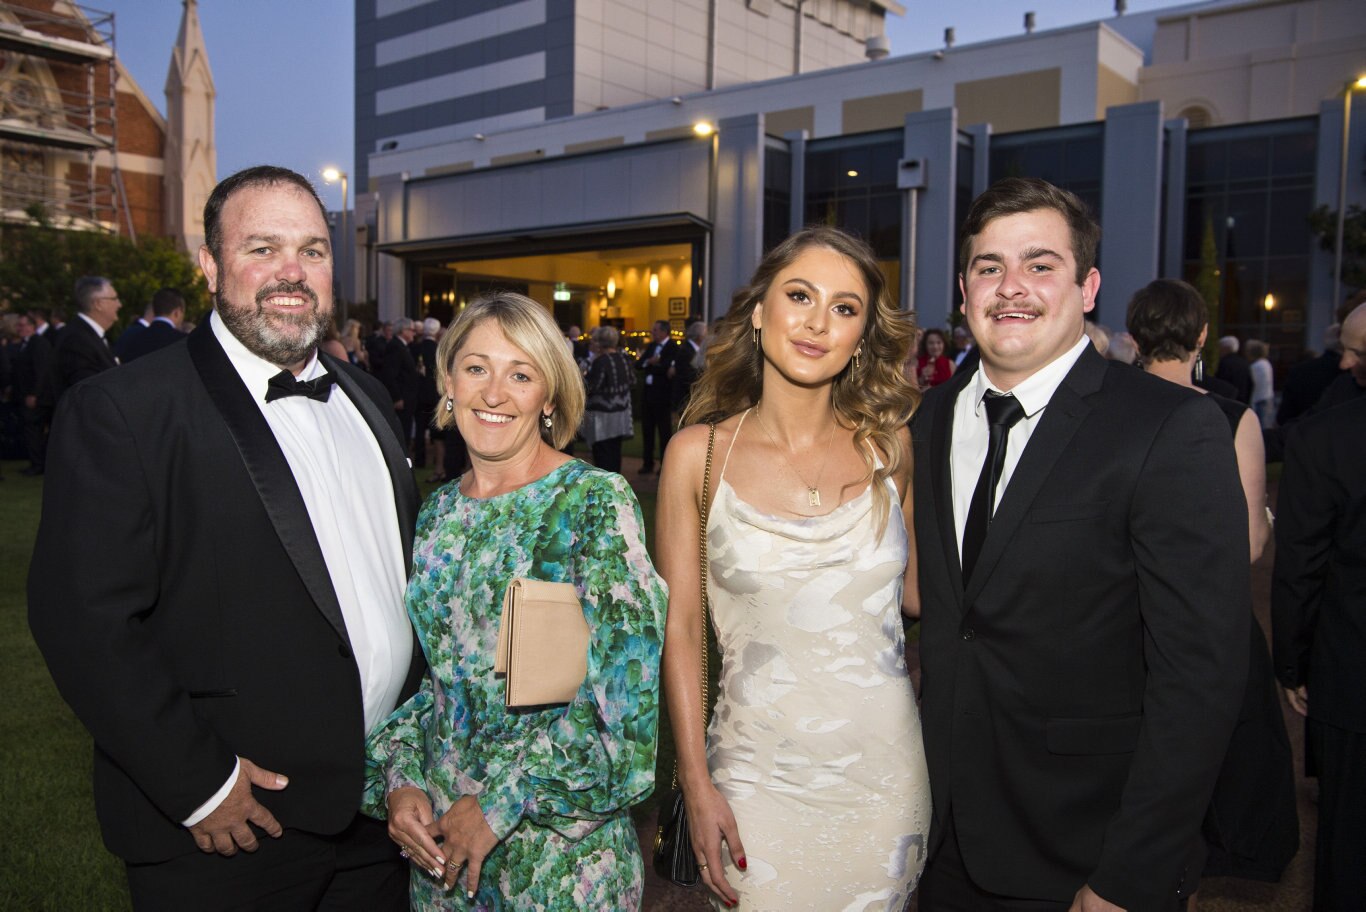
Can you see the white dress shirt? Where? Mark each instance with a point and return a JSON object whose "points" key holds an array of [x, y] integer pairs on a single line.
{"points": [[968, 449], [339, 468]]}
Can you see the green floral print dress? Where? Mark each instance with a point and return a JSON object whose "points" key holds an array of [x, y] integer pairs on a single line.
{"points": [[555, 784]]}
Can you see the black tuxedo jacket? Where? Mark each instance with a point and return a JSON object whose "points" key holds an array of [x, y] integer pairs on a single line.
{"points": [[1079, 694], [80, 353], [659, 391], [182, 601], [1318, 593], [153, 338]]}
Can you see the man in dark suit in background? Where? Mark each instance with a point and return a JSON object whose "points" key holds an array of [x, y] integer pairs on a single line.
{"points": [[687, 364], [168, 312], [83, 349], [1234, 369], [217, 583], [400, 376], [30, 365], [1318, 615], [1084, 588], [656, 420]]}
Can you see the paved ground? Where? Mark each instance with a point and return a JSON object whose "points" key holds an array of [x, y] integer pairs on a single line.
{"points": [[1217, 895]]}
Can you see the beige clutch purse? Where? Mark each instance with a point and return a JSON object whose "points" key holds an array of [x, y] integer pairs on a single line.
{"points": [[542, 643]]}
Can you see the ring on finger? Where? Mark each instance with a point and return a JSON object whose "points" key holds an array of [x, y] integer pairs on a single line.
{"points": [[701, 866], [454, 865]]}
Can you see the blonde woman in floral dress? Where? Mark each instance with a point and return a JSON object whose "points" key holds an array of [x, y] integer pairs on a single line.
{"points": [[509, 808]]}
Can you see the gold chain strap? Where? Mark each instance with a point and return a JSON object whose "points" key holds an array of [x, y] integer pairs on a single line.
{"points": [[702, 556]]}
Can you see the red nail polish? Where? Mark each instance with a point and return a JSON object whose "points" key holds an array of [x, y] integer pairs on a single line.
{"points": [[742, 864]]}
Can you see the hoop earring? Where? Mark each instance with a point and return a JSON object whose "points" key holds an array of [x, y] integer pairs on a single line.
{"points": [[450, 404], [547, 422], [1199, 366]]}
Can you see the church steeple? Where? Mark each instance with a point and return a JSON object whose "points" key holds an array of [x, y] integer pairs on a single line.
{"points": [[191, 157]]}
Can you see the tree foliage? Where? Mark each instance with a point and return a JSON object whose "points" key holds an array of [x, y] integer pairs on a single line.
{"points": [[1207, 283], [40, 263], [1324, 222]]}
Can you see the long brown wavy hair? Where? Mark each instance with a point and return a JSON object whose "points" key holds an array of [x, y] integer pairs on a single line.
{"points": [[873, 397]]}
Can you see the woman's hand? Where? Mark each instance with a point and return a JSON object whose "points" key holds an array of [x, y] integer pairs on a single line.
{"points": [[467, 839], [711, 823], [410, 816]]}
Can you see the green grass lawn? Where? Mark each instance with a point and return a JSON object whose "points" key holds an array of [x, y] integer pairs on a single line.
{"points": [[51, 856]]}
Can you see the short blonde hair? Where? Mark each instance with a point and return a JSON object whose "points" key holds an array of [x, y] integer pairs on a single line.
{"points": [[528, 326]]}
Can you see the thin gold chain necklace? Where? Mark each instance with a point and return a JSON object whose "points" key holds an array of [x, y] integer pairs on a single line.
{"points": [[813, 494]]}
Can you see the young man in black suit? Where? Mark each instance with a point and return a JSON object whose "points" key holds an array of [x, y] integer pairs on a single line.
{"points": [[1081, 537], [1318, 617], [217, 582]]}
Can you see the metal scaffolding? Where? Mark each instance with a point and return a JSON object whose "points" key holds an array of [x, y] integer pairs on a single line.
{"points": [[59, 118]]}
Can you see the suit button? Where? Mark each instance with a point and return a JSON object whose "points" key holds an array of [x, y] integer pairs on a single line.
{"points": [[344, 651], [968, 634]]}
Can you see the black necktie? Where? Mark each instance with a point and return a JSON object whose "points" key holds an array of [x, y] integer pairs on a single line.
{"points": [[1002, 413], [283, 384]]}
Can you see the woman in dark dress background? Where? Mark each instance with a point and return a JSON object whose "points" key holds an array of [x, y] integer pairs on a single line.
{"points": [[1251, 829]]}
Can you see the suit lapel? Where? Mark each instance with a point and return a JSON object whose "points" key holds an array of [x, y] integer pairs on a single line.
{"points": [[1062, 417], [269, 471], [406, 496], [941, 440]]}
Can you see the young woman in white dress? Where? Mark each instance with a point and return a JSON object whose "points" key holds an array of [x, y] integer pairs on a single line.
{"points": [[808, 790]]}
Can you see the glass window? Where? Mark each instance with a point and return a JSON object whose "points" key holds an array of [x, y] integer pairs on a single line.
{"points": [[777, 195], [851, 184], [1252, 184]]}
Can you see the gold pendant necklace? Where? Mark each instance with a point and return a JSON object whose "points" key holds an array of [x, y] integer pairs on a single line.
{"points": [[813, 494]]}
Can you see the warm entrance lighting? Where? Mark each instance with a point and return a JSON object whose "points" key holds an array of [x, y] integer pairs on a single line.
{"points": [[611, 288], [654, 284], [702, 128], [1269, 303], [851, 172]]}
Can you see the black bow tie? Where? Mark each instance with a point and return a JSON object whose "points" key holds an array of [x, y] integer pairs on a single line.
{"points": [[283, 384]]}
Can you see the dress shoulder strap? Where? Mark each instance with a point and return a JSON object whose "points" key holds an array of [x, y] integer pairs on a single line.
{"points": [[734, 437]]}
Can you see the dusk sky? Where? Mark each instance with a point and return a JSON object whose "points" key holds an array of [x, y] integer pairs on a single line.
{"points": [[284, 69]]}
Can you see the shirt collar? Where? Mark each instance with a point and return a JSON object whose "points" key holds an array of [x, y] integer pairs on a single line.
{"points": [[167, 320], [1034, 392], [254, 370], [99, 330]]}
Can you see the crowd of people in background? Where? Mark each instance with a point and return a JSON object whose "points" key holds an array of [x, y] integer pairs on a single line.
{"points": [[647, 401]]}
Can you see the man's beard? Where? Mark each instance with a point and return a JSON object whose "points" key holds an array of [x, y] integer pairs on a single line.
{"points": [[261, 331]]}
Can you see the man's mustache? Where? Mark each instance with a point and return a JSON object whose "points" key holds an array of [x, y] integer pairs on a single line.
{"points": [[286, 288]]}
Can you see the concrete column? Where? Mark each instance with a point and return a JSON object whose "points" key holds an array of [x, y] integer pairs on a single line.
{"points": [[1131, 205], [737, 208], [391, 225], [929, 147], [1174, 240]]}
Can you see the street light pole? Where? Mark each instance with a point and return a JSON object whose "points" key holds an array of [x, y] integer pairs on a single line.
{"points": [[330, 175], [1358, 83]]}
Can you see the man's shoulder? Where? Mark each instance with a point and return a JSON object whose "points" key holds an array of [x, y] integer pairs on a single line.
{"points": [[1323, 426]]}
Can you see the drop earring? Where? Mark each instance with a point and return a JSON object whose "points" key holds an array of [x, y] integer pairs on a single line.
{"points": [[450, 404], [858, 351], [754, 336], [1199, 366], [547, 422]]}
